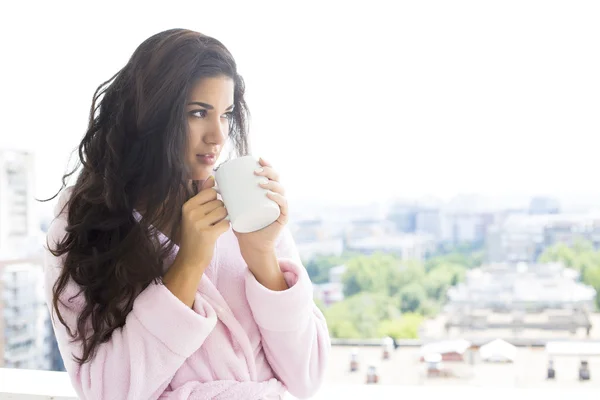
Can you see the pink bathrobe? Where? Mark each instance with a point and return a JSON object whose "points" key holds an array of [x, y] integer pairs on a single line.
{"points": [[239, 341]]}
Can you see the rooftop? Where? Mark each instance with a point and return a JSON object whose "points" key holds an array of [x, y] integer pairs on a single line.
{"points": [[16, 384], [405, 369]]}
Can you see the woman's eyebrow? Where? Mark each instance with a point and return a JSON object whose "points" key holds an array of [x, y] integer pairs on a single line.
{"points": [[207, 106], [198, 103]]}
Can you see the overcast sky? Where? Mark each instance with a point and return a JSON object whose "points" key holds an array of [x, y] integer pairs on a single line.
{"points": [[351, 101]]}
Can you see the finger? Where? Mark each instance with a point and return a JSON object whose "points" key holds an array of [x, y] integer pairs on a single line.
{"points": [[268, 172], [282, 203], [273, 186], [264, 162], [209, 207], [204, 196], [201, 204], [221, 227], [210, 182], [204, 220], [215, 216]]}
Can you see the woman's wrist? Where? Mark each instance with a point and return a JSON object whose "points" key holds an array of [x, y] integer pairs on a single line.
{"points": [[182, 279], [264, 265]]}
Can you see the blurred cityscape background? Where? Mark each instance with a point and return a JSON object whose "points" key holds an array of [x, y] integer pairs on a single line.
{"points": [[413, 291], [469, 293]]}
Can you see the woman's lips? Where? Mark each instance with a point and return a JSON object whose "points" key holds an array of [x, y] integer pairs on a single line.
{"points": [[208, 159]]}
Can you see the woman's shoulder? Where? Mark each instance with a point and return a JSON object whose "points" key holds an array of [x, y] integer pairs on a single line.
{"points": [[60, 209], [56, 230]]}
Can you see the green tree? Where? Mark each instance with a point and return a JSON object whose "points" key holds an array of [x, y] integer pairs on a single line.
{"points": [[476, 259], [453, 258], [455, 280], [318, 267], [376, 274], [581, 246], [589, 260], [466, 256], [344, 329], [559, 253], [591, 276], [581, 257], [410, 272], [412, 297], [363, 312], [430, 307], [405, 327], [441, 278]]}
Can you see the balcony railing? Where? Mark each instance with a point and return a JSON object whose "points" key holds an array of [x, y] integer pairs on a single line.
{"points": [[18, 384], [23, 384]]}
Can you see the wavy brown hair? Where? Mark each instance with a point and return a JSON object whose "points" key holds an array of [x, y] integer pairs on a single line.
{"points": [[130, 157]]}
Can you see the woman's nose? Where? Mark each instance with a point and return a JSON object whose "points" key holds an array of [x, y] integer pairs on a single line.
{"points": [[217, 133]]}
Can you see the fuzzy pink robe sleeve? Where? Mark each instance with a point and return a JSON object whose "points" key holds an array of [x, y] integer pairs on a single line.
{"points": [[140, 359], [294, 333]]}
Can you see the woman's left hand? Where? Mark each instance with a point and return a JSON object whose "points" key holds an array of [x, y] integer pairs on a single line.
{"points": [[262, 242]]}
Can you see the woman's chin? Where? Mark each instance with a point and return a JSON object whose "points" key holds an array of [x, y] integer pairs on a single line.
{"points": [[202, 175]]}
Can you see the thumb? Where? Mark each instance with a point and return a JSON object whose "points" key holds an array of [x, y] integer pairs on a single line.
{"points": [[210, 182]]}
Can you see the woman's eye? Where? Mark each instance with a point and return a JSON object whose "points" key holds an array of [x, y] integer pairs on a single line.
{"points": [[199, 113]]}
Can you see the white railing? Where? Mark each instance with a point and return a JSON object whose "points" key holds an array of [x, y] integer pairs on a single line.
{"points": [[25, 384], [20, 384]]}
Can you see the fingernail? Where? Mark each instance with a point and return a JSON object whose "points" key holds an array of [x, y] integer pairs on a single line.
{"points": [[259, 170], [264, 182]]}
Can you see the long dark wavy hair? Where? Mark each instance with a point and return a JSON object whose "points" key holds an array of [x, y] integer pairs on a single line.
{"points": [[132, 155]]}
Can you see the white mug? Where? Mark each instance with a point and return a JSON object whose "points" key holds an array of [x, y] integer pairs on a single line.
{"points": [[246, 202]]}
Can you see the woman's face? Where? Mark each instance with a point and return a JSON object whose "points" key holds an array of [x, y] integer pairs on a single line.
{"points": [[209, 108]]}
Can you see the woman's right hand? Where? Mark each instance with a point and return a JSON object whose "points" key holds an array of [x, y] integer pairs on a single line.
{"points": [[203, 221]]}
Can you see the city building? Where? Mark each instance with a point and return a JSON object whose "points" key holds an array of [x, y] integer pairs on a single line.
{"points": [[517, 238], [336, 274], [310, 250], [449, 350], [445, 225], [523, 237], [27, 333], [544, 205], [309, 230], [570, 230], [369, 228], [465, 228], [403, 216], [508, 286], [406, 247], [429, 222], [521, 296], [314, 237], [26, 336], [329, 293], [18, 221]]}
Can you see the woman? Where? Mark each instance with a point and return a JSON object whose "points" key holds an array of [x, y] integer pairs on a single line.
{"points": [[152, 294]]}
